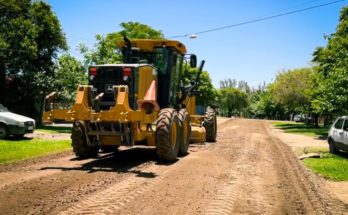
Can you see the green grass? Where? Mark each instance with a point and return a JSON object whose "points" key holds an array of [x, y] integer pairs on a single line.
{"points": [[301, 128], [16, 150], [330, 166], [52, 129]]}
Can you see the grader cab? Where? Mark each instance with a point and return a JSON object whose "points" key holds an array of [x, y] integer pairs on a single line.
{"points": [[143, 101]]}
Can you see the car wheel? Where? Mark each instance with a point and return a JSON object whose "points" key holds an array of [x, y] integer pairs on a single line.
{"points": [[3, 131], [332, 147]]}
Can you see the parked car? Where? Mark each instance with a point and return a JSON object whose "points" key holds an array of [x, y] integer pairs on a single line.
{"points": [[299, 118], [338, 135], [14, 124]]}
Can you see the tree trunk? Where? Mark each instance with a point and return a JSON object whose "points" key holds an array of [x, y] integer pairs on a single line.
{"points": [[38, 107], [316, 120]]}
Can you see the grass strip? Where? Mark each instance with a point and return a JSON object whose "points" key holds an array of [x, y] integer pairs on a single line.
{"points": [[16, 150], [333, 167], [301, 128]]}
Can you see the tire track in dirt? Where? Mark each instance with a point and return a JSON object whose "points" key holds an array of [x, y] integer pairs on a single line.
{"points": [[51, 193], [249, 189], [116, 197]]}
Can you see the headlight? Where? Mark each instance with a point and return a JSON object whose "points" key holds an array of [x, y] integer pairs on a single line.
{"points": [[20, 124]]}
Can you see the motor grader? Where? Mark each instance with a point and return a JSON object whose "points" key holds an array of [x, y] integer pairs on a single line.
{"points": [[143, 101]]}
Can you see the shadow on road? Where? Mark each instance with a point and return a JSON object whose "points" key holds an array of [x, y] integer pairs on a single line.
{"points": [[123, 161], [18, 138]]}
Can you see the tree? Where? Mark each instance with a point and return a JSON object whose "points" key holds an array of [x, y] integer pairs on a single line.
{"points": [[330, 95], [105, 49], [243, 86], [30, 39], [232, 100], [207, 91], [68, 75], [135, 30], [262, 105], [228, 83], [292, 89]]}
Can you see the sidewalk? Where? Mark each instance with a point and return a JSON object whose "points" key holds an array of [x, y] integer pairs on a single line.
{"points": [[299, 141]]}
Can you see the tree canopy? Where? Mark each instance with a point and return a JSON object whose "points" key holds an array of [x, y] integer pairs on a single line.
{"points": [[105, 49], [207, 91], [233, 97], [68, 75], [30, 39], [291, 89], [331, 93]]}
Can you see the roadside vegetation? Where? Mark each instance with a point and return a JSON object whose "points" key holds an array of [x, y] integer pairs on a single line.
{"points": [[22, 149], [302, 128], [333, 167]]}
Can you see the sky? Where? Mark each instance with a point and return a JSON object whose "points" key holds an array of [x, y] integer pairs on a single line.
{"points": [[254, 52]]}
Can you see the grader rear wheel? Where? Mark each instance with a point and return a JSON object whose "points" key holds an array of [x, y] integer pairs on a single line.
{"points": [[185, 131], [79, 142], [167, 135], [210, 125]]}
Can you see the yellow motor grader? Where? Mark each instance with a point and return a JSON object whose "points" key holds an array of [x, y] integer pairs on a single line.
{"points": [[143, 101]]}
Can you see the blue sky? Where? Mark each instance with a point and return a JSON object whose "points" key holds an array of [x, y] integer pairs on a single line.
{"points": [[254, 52]]}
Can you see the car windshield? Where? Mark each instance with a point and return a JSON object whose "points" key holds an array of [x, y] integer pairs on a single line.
{"points": [[3, 109]]}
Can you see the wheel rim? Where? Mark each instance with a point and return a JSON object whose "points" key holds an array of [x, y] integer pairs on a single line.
{"points": [[174, 134]]}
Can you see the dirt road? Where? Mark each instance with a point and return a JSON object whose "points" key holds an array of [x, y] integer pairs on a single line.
{"points": [[247, 171]]}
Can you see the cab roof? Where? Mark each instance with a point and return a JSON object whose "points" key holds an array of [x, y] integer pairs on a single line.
{"points": [[148, 45]]}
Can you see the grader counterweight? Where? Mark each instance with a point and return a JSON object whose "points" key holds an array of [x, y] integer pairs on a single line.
{"points": [[142, 101]]}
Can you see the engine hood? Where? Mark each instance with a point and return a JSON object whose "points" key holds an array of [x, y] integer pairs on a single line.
{"points": [[11, 118]]}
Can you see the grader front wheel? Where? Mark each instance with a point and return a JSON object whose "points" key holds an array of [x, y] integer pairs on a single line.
{"points": [[79, 142], [167, 135], [185, 134], [210, 125]]}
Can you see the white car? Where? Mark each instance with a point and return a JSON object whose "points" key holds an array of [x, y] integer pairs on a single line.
{"points": [[338, 135], [298, 118], [14, 124]]}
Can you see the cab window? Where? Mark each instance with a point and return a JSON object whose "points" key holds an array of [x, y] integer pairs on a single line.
{"points": [[161, 60]]}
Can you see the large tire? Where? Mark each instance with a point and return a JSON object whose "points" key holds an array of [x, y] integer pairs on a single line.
{"points": [[167, 135], [3, 131], [210, 125], [332, 147], [185, 131], [79, 142]]}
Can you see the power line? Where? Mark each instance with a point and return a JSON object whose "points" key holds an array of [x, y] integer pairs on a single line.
{"points": [[260, 19]]}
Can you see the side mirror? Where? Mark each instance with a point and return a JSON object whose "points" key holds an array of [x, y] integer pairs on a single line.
{"points": [[193, 61]]}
